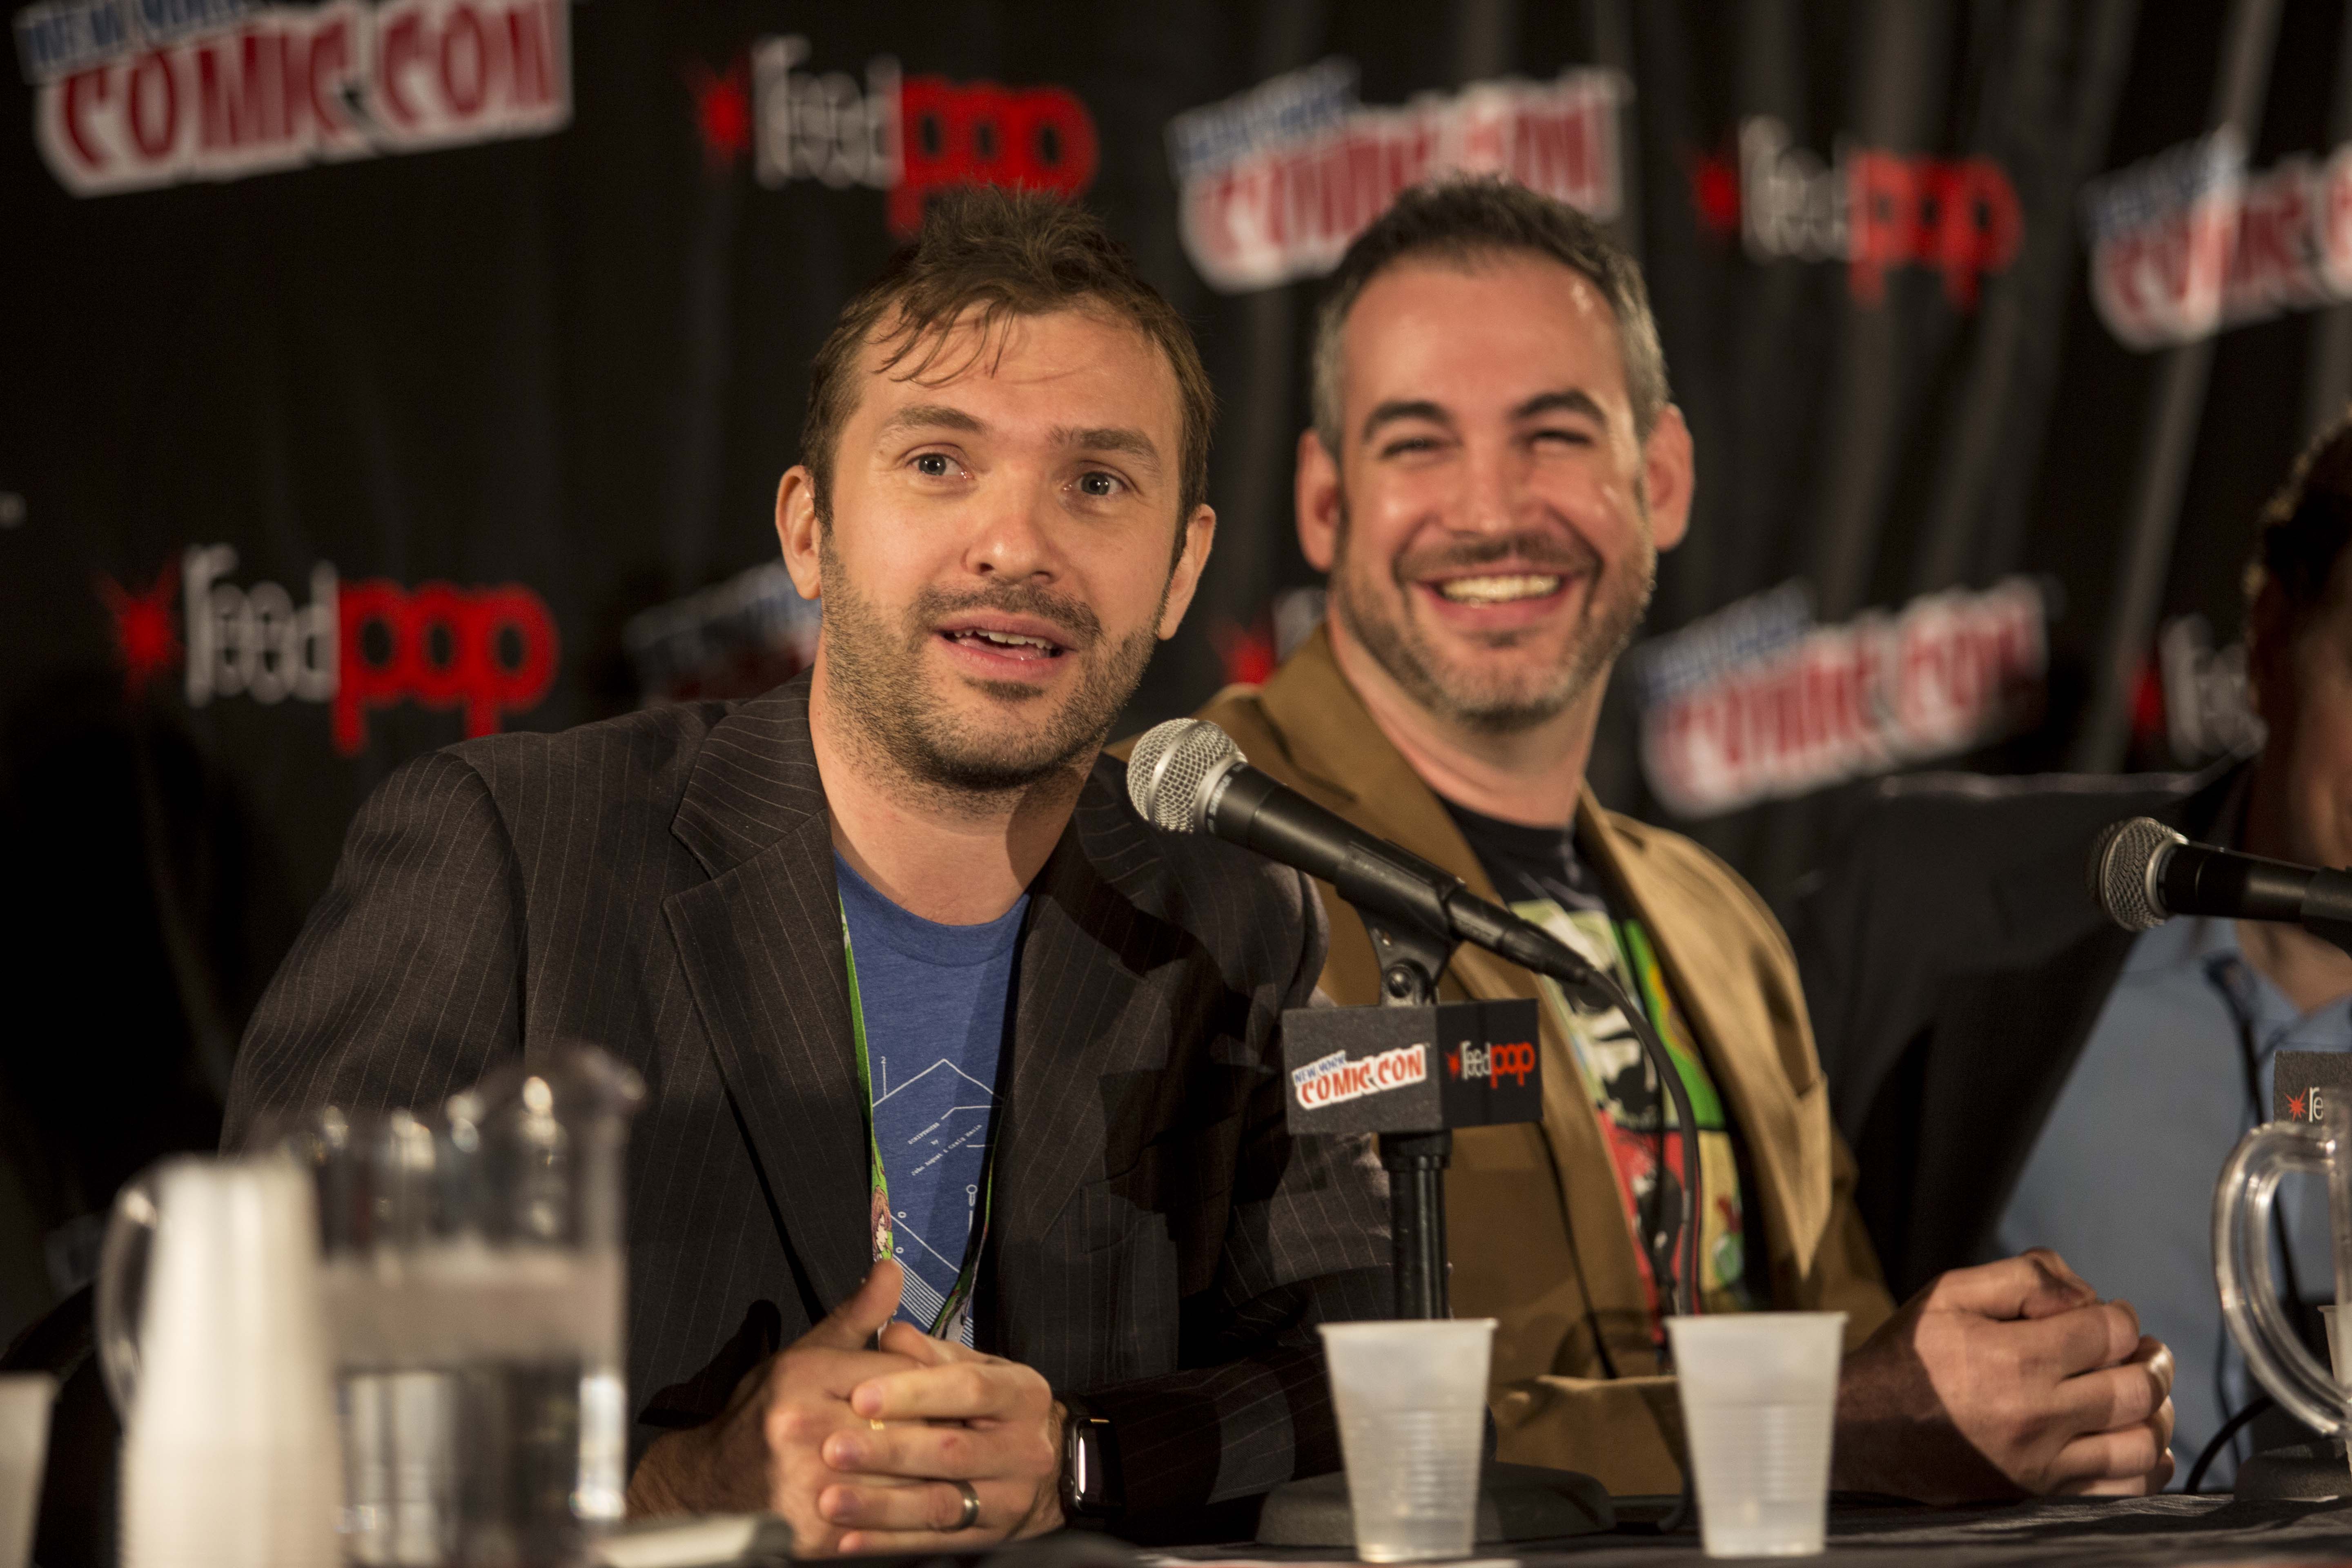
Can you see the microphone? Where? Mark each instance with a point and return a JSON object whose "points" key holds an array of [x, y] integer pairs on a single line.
{"points": [[2142, 873], [1188, 777]]}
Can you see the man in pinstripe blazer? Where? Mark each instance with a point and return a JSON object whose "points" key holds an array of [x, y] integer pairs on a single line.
{"points": [[1001, 509]]}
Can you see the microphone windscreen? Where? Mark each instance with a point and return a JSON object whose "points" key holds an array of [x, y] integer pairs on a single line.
{"points": [[1171, 766], [2122, 872]]}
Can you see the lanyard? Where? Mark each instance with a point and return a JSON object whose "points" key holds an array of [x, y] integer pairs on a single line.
{"points": [[1633, 948], [954, 1312]]}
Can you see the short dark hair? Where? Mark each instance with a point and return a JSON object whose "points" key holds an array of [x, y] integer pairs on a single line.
{"points": [[1005, 254], [1465, 220], [2306, 525]]}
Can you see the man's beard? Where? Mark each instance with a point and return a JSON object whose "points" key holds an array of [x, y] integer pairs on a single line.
{"points": [[876, 681], [1498, 701]]}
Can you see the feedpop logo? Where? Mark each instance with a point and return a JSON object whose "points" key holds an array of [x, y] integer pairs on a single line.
{"points": [[489, 651], [906, 136], [1491, 1064]]}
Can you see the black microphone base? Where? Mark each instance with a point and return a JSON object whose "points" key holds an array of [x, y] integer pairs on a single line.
{"points": [[1516, 1503], [2300, 1472]]}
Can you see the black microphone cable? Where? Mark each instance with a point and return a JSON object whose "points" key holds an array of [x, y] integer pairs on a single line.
{"points": [[1679, 1290], [2254, 1410]]}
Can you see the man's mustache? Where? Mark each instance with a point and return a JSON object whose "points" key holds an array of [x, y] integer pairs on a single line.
{"points": [[1080, 627], [1532, 550]]}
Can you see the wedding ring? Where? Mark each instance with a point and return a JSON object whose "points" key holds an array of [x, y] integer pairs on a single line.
{"points": [[879, 1425], [971, 1508]]}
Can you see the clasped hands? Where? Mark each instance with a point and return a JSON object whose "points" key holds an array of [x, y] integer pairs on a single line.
{"points": [[2009, 1378], [859, 1442]]}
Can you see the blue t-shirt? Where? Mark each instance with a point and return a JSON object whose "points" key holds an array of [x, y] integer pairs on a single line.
{"points": [[934, 999]]}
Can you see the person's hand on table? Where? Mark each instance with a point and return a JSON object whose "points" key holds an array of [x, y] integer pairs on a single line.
{"points": [[763, 1453], [2009, 1379], [958, 1416], [860, 1450]]}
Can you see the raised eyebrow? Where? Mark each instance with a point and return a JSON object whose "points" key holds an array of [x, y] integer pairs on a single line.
{"points": [[1569, 401], [1123, 438], [1405, 408], [931, 417]]}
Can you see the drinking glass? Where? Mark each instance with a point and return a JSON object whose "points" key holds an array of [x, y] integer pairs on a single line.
{"points": [[2243, 1201]]}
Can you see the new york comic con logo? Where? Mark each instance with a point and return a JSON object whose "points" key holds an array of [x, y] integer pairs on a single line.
{"points": [[1275, 181], [1758, 703], [907, 136], [132, 94], [1329, 1080], [486, 651], [2191, 242]]}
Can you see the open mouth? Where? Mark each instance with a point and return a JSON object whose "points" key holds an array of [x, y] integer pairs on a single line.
{"points": [[1002, 642], [1499, 588]]}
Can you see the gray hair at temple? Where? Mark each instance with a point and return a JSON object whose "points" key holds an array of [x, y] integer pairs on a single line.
{"points": [[1462, 220]]}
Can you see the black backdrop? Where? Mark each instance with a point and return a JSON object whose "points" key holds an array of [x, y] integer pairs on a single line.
{"points": [[552, 358]]}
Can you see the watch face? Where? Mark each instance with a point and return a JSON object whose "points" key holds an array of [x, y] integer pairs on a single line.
{"points": [[1090, 1480]]}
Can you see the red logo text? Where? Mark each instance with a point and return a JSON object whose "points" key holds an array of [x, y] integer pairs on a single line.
{"points": [[1275, 182], [288, 86], [355, 646], [1513, 1059], [1874, 210], [912, 136], [489, 652], [1774, 711], [1334, 1079]]}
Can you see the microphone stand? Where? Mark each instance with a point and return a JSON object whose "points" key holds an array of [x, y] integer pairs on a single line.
{"points": [[1415, 1161], [1516, 1502], [1410, 964]]}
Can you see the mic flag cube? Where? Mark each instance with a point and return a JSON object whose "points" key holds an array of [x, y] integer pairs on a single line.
{"points": [[2303, 1082], [1412, 1069]]}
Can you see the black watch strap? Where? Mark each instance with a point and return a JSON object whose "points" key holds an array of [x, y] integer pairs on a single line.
{"points": [[1092, 1486]]}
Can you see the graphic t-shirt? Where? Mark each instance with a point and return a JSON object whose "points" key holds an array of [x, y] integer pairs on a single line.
{"points": [[1543, 878], [934, 998]]}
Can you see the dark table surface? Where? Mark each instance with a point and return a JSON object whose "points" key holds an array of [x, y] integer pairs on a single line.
{"points": [[2078, 1533]]}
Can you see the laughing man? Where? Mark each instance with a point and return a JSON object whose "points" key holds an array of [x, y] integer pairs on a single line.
{"points": [[1494, 467]]}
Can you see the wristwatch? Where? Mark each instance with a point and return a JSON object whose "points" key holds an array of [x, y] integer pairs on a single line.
{"points": [[1092, 1487]]}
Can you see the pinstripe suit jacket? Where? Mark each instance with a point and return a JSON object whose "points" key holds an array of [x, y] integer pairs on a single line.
{"points": [[663, 885]]}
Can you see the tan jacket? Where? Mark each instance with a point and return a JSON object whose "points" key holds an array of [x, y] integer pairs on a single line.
{"points": [[1537, 1231]]}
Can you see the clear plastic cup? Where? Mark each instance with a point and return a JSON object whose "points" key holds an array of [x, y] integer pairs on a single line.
{"points": [[24, 1402], [1412, 1398], [1760, 1402]]}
